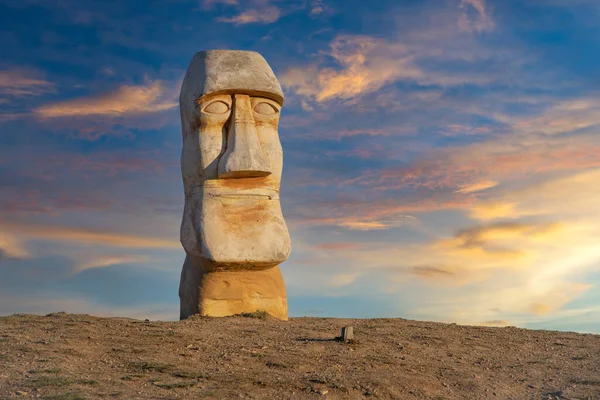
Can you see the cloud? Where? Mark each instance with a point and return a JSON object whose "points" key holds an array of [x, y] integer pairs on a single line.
{"points": [[516, 153], [381, 214], [54, 233], [23, 82], [477, 187], [529, 264], [372, 225], [208, 4], [562, 117], [148, 98], [10, 247], [266, 15], [367, 64], [574, 195], [475, 16], [499, 241], [107, 260], [317, 7], [336, 246], [339, 280]]}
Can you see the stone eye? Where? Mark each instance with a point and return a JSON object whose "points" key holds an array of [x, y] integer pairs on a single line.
{"points": [[217, 107], [265, 109]]}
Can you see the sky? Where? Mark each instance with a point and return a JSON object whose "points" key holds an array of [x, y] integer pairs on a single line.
{"points": [[441, 157]]}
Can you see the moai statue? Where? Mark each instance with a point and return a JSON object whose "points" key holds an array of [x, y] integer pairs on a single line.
{"points": [[233, 231]]}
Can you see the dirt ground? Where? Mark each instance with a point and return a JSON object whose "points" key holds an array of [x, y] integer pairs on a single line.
{"points": [[65, 356]]}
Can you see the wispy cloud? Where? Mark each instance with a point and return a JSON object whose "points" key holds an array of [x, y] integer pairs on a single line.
{"points": [[125, 100], [23, 82], [28, 231], [367, 63], [211, 3], [562, 117], [265, 15], [475, 16], [107, 260], [477, 187], [11, 247]]}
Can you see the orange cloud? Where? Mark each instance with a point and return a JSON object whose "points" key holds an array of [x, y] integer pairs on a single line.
{"points": [[125, 100], [23, 82], [562, 117], [484, 163], [367, 63], [54, 233], [503, 241], [10, 247], [477, 187], [266, 15]]}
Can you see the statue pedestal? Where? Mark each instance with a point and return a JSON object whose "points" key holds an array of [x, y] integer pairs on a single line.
{"points": [[223, 293]]}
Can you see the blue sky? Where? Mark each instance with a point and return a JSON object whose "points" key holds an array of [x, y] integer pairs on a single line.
{"points": [[441, 158]]}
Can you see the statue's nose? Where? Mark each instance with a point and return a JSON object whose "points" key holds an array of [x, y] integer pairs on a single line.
{"points": [[243, 157]]}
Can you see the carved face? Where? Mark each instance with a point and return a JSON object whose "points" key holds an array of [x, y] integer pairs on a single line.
{"points": [[231, 165]]}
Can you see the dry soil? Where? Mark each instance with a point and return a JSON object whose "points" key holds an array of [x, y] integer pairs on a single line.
{"points": [[65, 356]]}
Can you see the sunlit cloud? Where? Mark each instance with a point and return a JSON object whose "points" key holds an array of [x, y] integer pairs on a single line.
{"points": [[317, 7], [108, 260], [127, 99], [23, 82], [367, 64], [54, 233], [11, 247], [477, 187], [266, 15], [562, 117]]}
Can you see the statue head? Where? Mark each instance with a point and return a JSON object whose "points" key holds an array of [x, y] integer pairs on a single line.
{"points": [[231, 162]]}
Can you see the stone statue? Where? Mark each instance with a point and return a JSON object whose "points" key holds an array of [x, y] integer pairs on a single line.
{"points": [[232, 230]]}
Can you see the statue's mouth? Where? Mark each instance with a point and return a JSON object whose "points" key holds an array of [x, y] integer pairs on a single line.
{"points": [[243, 188], [243, 195]]}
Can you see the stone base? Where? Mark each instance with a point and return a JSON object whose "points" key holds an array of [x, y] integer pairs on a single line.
{"points": [[223, 293]]}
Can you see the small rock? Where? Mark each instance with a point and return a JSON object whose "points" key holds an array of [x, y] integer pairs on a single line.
{"points": [[21, 393], [347, 333], [323, 392]]}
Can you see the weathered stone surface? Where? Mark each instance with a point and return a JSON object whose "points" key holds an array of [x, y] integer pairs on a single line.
{"points": [[231, 166], [229, 72], [347, 333], [222, 293]]}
